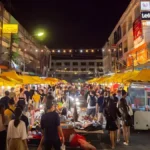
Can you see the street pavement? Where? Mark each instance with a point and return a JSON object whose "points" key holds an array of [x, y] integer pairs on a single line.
{"points": [[139, 140]]}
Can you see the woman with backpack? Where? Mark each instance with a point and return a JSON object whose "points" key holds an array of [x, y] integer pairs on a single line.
{"points": [[126, 113]]}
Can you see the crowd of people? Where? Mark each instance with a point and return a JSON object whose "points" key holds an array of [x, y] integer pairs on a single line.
{"points": [[17, 113], [114, 107]]}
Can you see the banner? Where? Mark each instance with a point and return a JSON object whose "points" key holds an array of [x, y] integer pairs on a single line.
{"points": [[137, 31]]}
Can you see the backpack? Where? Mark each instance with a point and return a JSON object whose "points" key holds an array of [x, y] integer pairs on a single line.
{"points": [[92, 101], [13, 114]]}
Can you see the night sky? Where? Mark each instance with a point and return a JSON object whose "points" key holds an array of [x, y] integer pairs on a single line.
{"points": [[70, 23]]}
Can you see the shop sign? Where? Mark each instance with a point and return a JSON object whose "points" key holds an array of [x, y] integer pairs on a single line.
{"points": [[145, 5], [146, 23], [145, 15], [137, 31], [10, 28]]}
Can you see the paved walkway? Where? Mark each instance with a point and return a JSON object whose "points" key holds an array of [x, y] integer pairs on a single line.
{"points": [[139, 141]]}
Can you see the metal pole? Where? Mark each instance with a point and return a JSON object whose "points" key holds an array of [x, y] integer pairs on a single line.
{"points": [[10, 50]]}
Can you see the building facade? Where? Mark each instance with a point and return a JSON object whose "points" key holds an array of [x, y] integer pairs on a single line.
{"points": [[76, 64], [129, 43], [21, 51]]}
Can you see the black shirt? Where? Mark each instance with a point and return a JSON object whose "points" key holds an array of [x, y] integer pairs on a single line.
{"points": [[27, 93], [100, 102], [49, 123], [4, 100]]}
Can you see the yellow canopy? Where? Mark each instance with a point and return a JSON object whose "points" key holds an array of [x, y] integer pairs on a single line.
{"points": [[93, 80], [51, 81], [39, 80], [28, 80], [12, 75], [143, 76], [4, 82]]}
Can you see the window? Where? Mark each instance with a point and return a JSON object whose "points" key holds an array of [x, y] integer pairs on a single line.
{"points": [[130, 23], [91, 69], [118, 33], [83, 63], [75, 69], [99, 64], [58, 64], [100, 70], [75, 63], [124, 29], [91, 63], [115, 37], [67, 75], [125, 46], [67, 63], [120, 51], [67, 69], [83, 69], [59, 75]]}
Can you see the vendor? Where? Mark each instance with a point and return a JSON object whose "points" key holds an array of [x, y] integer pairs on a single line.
{"points": [[36, 98]]}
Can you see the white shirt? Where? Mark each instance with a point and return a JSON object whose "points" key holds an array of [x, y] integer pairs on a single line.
{"points": [[2, 126], [17, 132]]}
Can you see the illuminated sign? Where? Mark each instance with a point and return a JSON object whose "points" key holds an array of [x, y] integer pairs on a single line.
{"points": [[145, 15], [145, 5], [10, 28]]}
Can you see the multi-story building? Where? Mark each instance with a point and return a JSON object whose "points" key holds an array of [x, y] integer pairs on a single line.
{"points": [[21, 51], [129, 43], [73, 64]]}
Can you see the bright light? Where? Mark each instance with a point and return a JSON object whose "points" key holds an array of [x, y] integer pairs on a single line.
{"points": [[36, 50], [40, 34], [114, 49], [120, 49], [25, 50], [71, 98], [8, 87], [78, 103], [41, 50], [87, 51], [76, 99], [64, 51], [109, 50], [92, 51], [53, 51], [103, 49], [41, 105], [2, 87], [58, 51], [81, 51], [70, 50]]}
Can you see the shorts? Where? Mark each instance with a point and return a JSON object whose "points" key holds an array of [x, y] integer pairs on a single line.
{"points": [[48, 145], [111, 125], [91, 112]]}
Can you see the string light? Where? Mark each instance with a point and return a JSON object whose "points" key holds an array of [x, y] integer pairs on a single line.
{"points": [[87, 51], [41, 50], [64, 51], [36, 50], [58, 51], [53, 51], [78, 72], [81, 51], [109, 50], [92, 51], [120, 49], [103, 49], [70, 50]]}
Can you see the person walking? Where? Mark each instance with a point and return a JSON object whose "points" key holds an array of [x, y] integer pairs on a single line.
{"points": [[91, 101], [9, 112], [4, 100], [50, 124], [22, 98], [36, 98], [16, 134], [126, 113], [111, 114], [3, 124], [99, 107]]}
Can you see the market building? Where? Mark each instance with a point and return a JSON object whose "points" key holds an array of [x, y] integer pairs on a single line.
{"points": [[21, 51], [129, 43], [76, 64]]}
